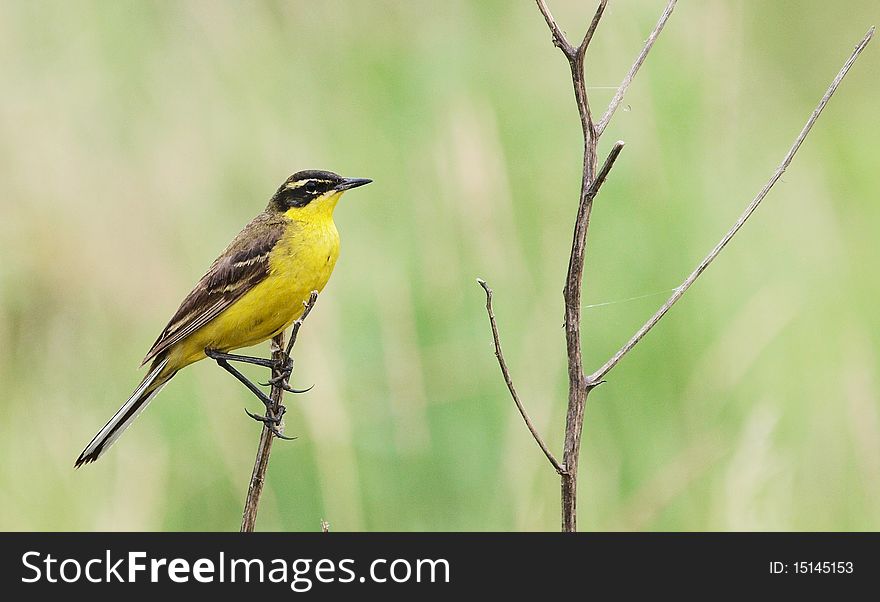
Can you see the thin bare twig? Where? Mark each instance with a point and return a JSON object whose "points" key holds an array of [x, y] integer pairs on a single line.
{"points": [[588, 37], [500, 356], [601, 372], [606, 169], [274, 413], [624, 85], [559, 39], [308, 305]]}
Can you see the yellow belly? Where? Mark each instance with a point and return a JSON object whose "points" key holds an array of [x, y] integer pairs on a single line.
{"points": [[301, 262]]}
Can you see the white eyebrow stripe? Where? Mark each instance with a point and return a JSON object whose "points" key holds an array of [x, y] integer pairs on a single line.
{"points": [[299, 183]]}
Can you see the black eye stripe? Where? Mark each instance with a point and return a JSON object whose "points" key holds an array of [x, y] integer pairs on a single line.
{"points": [[301, 193], [304, 187], [317, 185]]}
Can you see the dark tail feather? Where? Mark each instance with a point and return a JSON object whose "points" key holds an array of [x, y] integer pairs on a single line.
{"points": [[143, 395]]}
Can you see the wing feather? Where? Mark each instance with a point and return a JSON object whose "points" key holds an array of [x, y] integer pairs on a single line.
{"points": [[243, 265]]}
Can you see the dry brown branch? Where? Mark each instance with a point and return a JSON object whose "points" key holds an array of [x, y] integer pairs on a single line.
{"points": [[578, 386], [500, 356], [591, 180], [274, 413]]}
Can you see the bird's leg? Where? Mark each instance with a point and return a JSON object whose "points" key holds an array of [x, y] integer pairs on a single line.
{"points": [[246, 359], [223, 363], [283, 367]]}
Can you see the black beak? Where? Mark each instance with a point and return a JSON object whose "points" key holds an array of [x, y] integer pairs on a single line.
{"points": [[349, 183]]}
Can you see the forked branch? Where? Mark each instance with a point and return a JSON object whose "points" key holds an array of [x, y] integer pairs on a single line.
{"points": [[592, 178]]}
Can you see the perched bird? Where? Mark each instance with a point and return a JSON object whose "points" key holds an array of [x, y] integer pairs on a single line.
{"points": [[253, 291]]}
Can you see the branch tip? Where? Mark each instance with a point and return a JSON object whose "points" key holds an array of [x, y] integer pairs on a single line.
{"points": [[499, 355], [627, 80], [559, 39], [588, 37], [602, 175]]}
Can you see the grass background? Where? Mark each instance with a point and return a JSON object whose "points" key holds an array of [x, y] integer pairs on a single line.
{"points": [[136, 138]]}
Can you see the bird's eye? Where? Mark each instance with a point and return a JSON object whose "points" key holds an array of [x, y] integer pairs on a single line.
{"points": [[311, 186]]}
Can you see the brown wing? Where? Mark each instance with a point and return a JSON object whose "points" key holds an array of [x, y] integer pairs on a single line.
{"points": [[243, 264]]}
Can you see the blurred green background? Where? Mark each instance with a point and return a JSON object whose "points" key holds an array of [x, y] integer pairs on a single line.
{"points": [[136, 138]]}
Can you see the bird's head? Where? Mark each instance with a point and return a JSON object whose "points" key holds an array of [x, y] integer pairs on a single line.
{"points": [[311, 193]]}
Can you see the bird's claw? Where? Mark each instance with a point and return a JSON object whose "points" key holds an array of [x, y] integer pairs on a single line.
{"points": [[271, 423], [290, 389], [281, 381], [284, 368], [278, 434], [267, 420]]}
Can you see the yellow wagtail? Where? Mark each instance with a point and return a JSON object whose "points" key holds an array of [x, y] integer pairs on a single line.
{"points": [[253, 291]]}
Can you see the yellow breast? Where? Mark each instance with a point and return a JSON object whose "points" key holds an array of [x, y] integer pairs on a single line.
{"points": [[301, 262]]}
